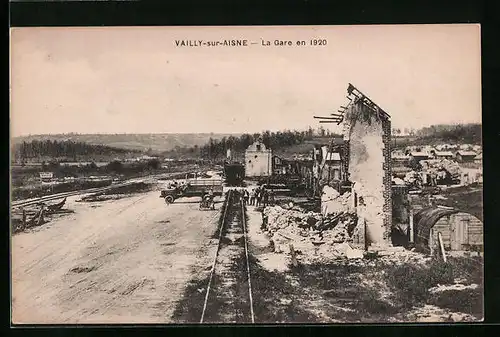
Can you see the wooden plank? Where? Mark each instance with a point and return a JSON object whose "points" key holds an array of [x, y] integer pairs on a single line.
{"points": [[441, 246]]}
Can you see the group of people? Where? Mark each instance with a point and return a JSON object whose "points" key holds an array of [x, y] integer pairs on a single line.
{"points": [[259, 196]]}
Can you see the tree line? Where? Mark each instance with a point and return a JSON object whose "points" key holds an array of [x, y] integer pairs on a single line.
{"points": [[466, 133], [217, 148], [63, 149]]}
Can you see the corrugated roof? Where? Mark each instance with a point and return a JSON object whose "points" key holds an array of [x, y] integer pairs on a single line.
{"points": [[425, 219], [399, 156], [467, 153], [444, 153], [419, 154]]}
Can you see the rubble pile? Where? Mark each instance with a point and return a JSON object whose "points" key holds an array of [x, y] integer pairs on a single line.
{"points": [[437, 165], [310, 233], [333, 202], [412, 178]]}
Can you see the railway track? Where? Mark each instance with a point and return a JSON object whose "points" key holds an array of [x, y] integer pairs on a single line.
{"points": [[150, 179], [228, 296], [34, 201]]}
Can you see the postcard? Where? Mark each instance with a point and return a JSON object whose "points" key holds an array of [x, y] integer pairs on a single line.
{"points": [[246, 175]]}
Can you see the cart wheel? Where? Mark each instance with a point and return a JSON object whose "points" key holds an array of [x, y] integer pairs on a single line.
{"points": [[169, 199]]}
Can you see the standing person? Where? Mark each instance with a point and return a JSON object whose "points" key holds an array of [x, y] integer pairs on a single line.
{"points": [[271, 197], [245, 196], [259, 196], [265, 197], [252, 196], [242, 196]]}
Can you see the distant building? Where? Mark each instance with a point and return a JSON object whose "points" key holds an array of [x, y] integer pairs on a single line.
{"points": [[418, 156], [279, 165], [427, 149], [258, 160], [479, 158], [399, 159], [328, 164], [145, 158], [442, 154], [333, 166], [465, 156]]}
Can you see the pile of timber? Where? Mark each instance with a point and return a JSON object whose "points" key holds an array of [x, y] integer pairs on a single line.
{"points": [[27, 218]]}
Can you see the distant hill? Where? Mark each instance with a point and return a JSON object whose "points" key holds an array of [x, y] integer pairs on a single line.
{"points": [[67, 150], [142, 142]]}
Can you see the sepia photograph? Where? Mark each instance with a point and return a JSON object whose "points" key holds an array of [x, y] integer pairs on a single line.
{"points": [[246, 175]]}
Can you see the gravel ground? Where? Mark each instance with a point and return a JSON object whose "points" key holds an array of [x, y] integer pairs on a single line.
{"points": [[126, 261]]}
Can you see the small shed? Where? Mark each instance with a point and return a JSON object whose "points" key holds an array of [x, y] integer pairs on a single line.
{"points": [[479, 158], [465, 156], [418, 156], [443, 154], [460, 231]]}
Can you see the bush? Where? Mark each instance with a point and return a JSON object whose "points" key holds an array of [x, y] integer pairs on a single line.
{"points": [[154, 164], [468, 301], [411, 283], [115, 166]]}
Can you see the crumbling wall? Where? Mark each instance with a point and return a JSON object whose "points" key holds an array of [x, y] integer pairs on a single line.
{"points": [[369, 166]]}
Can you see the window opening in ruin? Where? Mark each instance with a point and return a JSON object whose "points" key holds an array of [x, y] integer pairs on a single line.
{"points": [[258, 147], [255, 156]]}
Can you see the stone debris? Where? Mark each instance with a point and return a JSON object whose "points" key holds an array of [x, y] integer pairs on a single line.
{"points": [[412, 178], [431, 314], [332, 202], [457, 286], [311, 234], [437, 166]]}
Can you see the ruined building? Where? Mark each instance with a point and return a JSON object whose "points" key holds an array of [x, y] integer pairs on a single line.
{"points": [[258, 160], [367, 130], [367, 161]]}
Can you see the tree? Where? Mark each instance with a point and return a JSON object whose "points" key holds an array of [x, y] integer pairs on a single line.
{"points": [[154, 164], [115, 166]]}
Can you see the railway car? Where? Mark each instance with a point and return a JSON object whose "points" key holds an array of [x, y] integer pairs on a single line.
{"points": [[234, 174]]}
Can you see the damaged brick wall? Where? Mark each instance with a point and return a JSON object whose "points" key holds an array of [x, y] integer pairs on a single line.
{"points": [[368, 136], [386, 127]]}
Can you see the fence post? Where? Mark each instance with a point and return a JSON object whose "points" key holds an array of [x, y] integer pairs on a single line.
{"points": [[411, 227], [292, 253], [431, 242], [441, 245], [40, 218]]}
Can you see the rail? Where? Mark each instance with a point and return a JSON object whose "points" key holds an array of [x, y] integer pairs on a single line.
{"points": [[247, 260], [21, 203], [230, 202]]}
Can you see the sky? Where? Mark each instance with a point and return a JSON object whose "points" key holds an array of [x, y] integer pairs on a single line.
{"points": [[135, 79]]}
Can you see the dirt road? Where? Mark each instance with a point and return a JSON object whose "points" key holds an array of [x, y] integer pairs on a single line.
{"points": [[123, 261]]}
